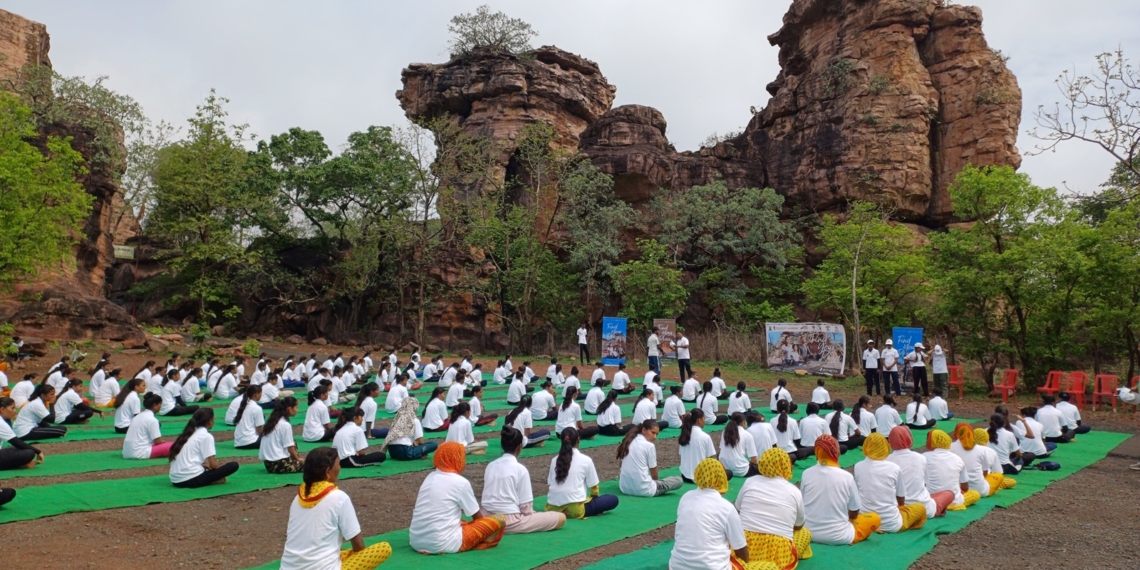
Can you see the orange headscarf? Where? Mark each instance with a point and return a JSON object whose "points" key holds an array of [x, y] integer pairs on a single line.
{"points": [[965, 435], [3, 366], [900, 438], [451, 457], [827, 450]]}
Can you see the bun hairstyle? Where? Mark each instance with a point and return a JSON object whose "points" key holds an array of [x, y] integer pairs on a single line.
{"points": [[201, 418], [888, 400], [151, 400], [511, 439], [277, 414], [687, 422], [740, 387], [569, 438], [675, 390]]}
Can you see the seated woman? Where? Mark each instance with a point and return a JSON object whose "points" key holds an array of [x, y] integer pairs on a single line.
{"points": [[946, 472], [787, 433], [772, 514], [520, 418], [812, 427], [831, 500], [979, 472], [881, 489], [913, 474], [570, 416], [460, 430], [645, 408], [707, 523], [918, 415], [128, 403], [34, 420], [887, 417], [435, 413], [366, 401], [192, 461], [609, 417], [763, 434], [477, 416], [172, 393], [738, 448], [781, 393], [69, 406], [318, 425], [1028, 432], [696, 445], [191, 390], [278, 451], [395, 395], [843, 427], [638, 457], [14, 453], [991, 463], [739, 401], [573, 482], [350, 443], [322, 518], [249, 421], [144, 437], [455, 391], [690, 389], [272, 391], [405, 439], [507, 491], [543, 406], [597, 396], [710, 405], [444, 497], [864, 417], [1003, 441], [108, 389]]}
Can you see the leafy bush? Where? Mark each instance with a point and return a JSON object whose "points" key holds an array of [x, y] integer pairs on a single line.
{"points": [[251, 347], [486, 29]]}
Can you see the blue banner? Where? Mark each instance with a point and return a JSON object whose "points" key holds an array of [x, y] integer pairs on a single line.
{"points": [[905, 338], [613, 340]]}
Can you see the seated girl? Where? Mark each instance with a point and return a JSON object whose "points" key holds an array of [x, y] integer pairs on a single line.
{"points": [[696, 445], [192, 461], [912, 474], [645, 408], [570, 416], [34, 420], [991, 464], [638, 457], [144, 437], [738, 448], [476, 403], [322, 518], [787, 432], [843, 427], [444, 498], [405, 439], [70, 408], [772, 514], [609, 417], [520, 418], [918, 414], [573, 482], [128, 403], [881, 490], [460, 430], [710, 405], [739, 401], [350, 442], [887, 417], [14, 453], [249, 421], [108, 389], [507, 491], [278, 451], [318, 425], [171, 393], [435, 413], [946, 472]]}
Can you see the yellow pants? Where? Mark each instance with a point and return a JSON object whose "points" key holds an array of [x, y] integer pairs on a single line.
{"points": [[913, 516], [969, 498], [366, 559], [865, 525], [999, 481], [782, 553]]}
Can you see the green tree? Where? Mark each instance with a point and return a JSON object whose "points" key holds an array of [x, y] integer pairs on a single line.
{"points": [[487, 29], [42, 207], [650, 287], [874, 274]]}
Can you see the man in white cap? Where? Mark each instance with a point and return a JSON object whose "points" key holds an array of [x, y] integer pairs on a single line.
{"points": [[891, 368], [871, 368], [918, 368]]}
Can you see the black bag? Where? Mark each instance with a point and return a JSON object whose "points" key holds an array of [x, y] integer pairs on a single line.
{"points": [[1048, 466]]}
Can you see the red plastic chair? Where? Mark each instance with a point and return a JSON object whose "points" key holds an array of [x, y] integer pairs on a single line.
{"points": [[1052, 383], [1008, 385], [956, 379], [1076, 388], [1105, 390], [1135, 381]]}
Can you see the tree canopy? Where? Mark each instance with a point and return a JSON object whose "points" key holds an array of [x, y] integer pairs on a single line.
{"points": [[486, 29]]}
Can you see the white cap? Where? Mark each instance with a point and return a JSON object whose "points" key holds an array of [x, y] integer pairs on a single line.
{"points": [[870, 342], [889, 341], [918, 345]]}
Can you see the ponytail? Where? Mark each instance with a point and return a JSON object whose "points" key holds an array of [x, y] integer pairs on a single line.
{"points": [[147, 366], [200, 419], [571, 395], [346, 416], [917, 403], [623, 447], [687, 422], [434, 395], [611, 398], [740, 386], [168, 376], [732, 430], [857, 411], [836, 417], [461, 410], [317, 393], [121, 397], [782, 423], [317, 465], [193, 375], [645, 393], [245, 398], [569, 439], [706, 389], [277, 414], [524, 403], [996, 422], [365, 392]]}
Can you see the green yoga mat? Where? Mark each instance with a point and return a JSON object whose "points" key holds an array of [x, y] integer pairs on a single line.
{"points": [[899, 551]]}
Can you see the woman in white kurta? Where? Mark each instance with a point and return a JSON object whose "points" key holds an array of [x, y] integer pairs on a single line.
{"points": [[831, 500], [507, 490], [573, 482], [460, 430], [695, 445], [444, 498], [772, 513]]}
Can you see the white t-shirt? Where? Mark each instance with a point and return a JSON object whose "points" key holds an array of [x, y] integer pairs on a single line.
{"points": [[552, 371], [245, 430], [770, 505], [395, 397], [231, 412], [763, 435], [349, 440], [1035, 444], [690, 389], [368, 406], [582, 335], [915, 360], [430, 370], [435, 414], [523, 422], [314, 535], [737, 459], [975, 464], [887, 419], [921, 417], [867, 422], [708, 404], [21, 392], [938, 408], [568, 418], [542, 404], [649, 376], [718, 386], [610, 417], [506, 486], [443, 498], [417, 434], [460, 431], [516, 391], [225, 387], [829, 493], [673, 410], [190, 461], [738, 402], [448, 377], [1071, 412], [476, 407], [786, 440], [621, 380], [990, 461], [644, 410], [811, 428], [275, 446], [190, 390], [880, 485], [1005, 446], [945, 471], [170, 392], [141, 435], [682, 345], [6, 433], [130, 408], [779, 393], [571, 381], [107, 392], [890, 360], [1051, 420], [454, 395], [699, 449], [820, 395], [634, 478], [65, 404], [653, 345], [30, 417], [316, 418], [92, 388], [847, 426], [706, 523], [579, 479], [594, 398], [871, 358], [938, 363], [912, 474]]}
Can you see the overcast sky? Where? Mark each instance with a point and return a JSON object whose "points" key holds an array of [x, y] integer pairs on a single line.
{"points": [[334, 66]]}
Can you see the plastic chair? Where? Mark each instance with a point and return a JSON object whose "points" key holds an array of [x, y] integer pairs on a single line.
{"points": [[1008, 385], [1135, 381], [1052, 383], [1105, 389], [956, 379], [1076, 388]]}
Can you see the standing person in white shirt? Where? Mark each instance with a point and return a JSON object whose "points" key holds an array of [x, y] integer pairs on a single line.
{"points": [[916, 360], [598, 374], [738, 449], [583, 344], [890, 373], [708, 531], [871, 367], [695, 445], [939, 369], [322, 518], [653, 350], [192, 461], [831, 500], [887, 417], [939, 409], [772, 513], [573, 482], [681, 345], [144, 436], [674, 409], [780, 392], [918, 415], [638, 457], [820, 395], [507, 491], [882, 491], [1072, 415], [444, 497]]}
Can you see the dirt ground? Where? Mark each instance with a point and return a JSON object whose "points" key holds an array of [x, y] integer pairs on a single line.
{"points": [[1085, 520]]}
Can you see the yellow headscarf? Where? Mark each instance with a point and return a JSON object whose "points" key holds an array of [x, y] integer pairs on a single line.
{"points": [[981, 436], [776, 463], [965, 435], [937, 439], [317, 491], [710, 474], [876, 447]]}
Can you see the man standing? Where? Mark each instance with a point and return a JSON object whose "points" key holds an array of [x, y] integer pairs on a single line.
{"points": [[871, 368], [583, 344], [653, 350], [891, 368], [916, 361], [681, 345]]}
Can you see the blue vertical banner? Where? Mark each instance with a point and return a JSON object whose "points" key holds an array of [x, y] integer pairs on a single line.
{"points": [[613, 340], [905, 338]]}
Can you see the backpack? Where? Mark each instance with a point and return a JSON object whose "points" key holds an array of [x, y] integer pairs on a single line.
{"points": [[1048, 466]]}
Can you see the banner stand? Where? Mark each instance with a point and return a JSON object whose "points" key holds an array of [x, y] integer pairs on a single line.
{"points": [[613, 340]]}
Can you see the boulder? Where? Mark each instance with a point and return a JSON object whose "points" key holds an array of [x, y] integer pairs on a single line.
{"points": [[296, 339], [173, 338], [157, 345], [320, 341], [218, 330]]}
